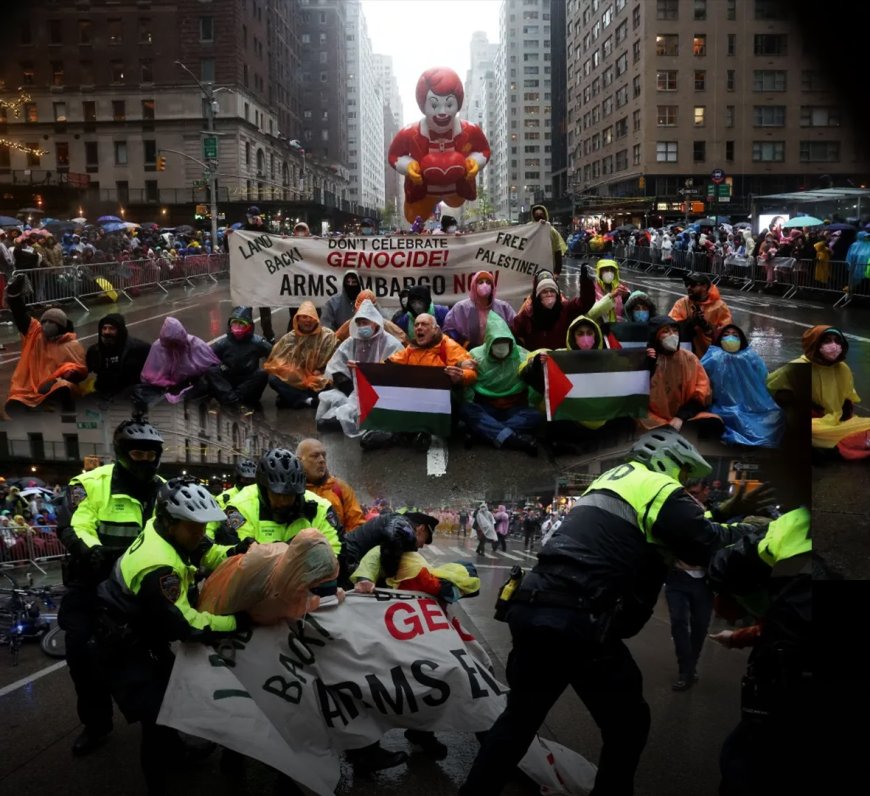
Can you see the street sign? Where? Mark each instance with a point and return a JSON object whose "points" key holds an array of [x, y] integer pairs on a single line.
{"points": [[745, 466], [210, 147], [92, 413], [88, 424], [718, 176]]}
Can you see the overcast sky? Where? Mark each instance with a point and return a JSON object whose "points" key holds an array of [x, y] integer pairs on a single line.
{"points": [[420, 35]]}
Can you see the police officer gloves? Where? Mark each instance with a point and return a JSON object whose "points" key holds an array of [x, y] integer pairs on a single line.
{"points": [[242, 547], [741, 503], [243, 621], [100, 562]]}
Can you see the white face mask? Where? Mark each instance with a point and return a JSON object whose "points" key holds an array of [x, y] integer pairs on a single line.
{"points": [[607, 277], [500, 350], [671, 342]]}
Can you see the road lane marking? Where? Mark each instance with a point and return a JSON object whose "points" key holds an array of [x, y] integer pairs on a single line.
{"points": [[434, 549], [511, 555], [436, 458], [459, 551], [31, 678]]}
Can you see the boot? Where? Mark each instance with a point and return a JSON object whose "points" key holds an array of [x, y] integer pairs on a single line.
{"points": [[427, 742]]}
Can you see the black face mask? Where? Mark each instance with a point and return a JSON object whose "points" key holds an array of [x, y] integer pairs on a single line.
{"points": [[352, 290], [285, 514], [140, 471], [417, 307]]}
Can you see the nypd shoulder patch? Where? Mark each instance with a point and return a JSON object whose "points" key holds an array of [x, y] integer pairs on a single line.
{"points": [[170, 587], [235, 519]]}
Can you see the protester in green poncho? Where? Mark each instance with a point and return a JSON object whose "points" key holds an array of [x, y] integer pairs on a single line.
{"points": [[496, 406]]}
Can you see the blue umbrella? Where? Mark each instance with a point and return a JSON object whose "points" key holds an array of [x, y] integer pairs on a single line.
{"points": [[839, 226], [118, 227], [237, 225], [8, 221], [102, 219]]}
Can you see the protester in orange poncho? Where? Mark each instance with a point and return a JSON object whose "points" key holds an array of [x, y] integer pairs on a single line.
{"points": [[833, 396], [679, 387], [702, 311], [52, 359], [299, 358], [343, 331]]}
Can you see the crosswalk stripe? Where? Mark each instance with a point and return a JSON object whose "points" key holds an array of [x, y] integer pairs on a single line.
{"points": [[433, 549], [528, 555], [459, 551], [511, 555]]}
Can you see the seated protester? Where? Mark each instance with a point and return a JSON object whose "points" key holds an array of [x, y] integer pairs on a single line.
{"points": [[312, 453], [701, 311], [297, 363], [340, 308], [835, 426], [607, 284], [738, 379], [368, 342], [466, 320], [679, 387], [638, 307], [176, 362], [116, 359], [343, 331], [52, 362], [418, 301], [238, 381], [543, 321], [496, 406]]}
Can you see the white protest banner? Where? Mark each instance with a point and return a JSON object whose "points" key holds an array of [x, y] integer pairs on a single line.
{"points": [[294, 696], [267, 269]]}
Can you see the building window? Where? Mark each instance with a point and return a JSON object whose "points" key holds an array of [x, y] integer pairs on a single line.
{"points": [[700, 79], [149, 148], [120, 153], [151, 191], [698, 116], [666, 115], [123, 189], [635, 121], [700, 9], [729, 150], [635, 51], [699, 151], [117, 69], [768, 151], [731, 10], [32, 159], [206, 29], [114, 32], [621, 64], [768, 116], [732, 44], [148, 110], [61, 153], [699, 44], [819, 151], [666, 80], [668, 44], [635, 17], [119, 110], [86, 31], [87, 73], [635, 87], [146, 31], [770, 9], [622, 160], [666, 9], [622, 127], [812, 80], [729, 116], [819, 116], [57, 73], [666, 151], [31, 113], [89, 111], [730, 80], [768, 80], [771, 44], [60, 112], [635, 155], [206, 70], [92, 156], [146, 70]]}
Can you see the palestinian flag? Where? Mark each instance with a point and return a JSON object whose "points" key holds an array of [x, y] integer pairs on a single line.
{"points": [[407, 398], [596, 385], [630, 333]]}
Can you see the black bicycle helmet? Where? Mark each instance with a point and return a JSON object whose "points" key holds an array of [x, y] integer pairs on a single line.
{"points": [[697, 278], [281, 472], [185, 499], [246, 472], [665, 451], [137, 434]]}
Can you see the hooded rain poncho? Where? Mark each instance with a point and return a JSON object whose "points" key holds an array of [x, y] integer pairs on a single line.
{"points": [[497, 378], [177, 358], [466, 322], [300, 358], [740, 395]]}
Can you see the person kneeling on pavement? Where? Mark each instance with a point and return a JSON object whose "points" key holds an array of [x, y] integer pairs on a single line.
{"points": [[146, 603]]}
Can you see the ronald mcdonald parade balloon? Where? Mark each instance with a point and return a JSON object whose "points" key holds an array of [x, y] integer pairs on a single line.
{"points": [[441, 154]]}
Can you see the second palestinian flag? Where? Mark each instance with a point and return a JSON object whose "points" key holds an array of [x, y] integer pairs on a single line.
{"points": [[403, 398], [596, 385]]}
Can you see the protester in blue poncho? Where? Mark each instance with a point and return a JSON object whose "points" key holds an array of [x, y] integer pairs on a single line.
{"points": [[740, 397]]}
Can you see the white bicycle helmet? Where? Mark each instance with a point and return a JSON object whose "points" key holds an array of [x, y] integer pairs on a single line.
{"points": [[185, 499]]}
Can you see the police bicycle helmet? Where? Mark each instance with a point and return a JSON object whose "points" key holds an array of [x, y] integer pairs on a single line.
{"points": [[281, 472], [185, 499], [137, 434], [246, 472], [663, 450]]}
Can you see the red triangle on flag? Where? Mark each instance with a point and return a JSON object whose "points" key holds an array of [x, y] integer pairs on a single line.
{"points": [[365, 394], [558, 385]]}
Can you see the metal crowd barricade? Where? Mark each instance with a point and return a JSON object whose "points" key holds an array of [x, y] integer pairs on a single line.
{"points": [[34, 547]]}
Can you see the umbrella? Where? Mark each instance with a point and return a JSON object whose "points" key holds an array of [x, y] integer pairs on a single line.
{"points": [[185, 229], [25, 481], [58, 226], [743, 225], [36, 490], [8, 221], [102, 219], [131, 225], [839, 226], [150, 225], [108, 290], [704, 222], [80, 220], [237, 225], [803, 221], [32, 210], [115, 226], [625, 228]]}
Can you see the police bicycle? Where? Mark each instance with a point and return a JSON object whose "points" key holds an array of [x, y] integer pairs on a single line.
{"points": [[22, 617]]}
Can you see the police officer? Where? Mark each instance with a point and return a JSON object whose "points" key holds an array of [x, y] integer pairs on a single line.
{"points": [[770, 574], [277, 506], [106, 510], [149, 601], [245, 474], [596, 583]]}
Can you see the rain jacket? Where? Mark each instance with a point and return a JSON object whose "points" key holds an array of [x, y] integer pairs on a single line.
{"points": [[447, 582], [498, 383], [616, 290], [442, 352], [556, 240], [537, 327], [405, 320], [466, 322], [740, 395], [634, 297], [300, 359], [858, 259], [343, 331], [502, 521], [340, 308], [715, 312], [343, 499], [42, 360], [679, 386], [121, 365], [832, 386], [340, 403], [240, 358], [176, 359], [485, 523]]}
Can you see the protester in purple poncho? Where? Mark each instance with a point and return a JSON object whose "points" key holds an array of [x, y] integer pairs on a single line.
{"points": [[175, 363], [466, 321]]}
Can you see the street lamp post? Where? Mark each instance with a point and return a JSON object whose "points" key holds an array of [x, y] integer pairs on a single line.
{"points": [[212, 164]]}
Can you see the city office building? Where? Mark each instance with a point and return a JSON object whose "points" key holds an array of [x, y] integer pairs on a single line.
{"points": [[664, 92]]}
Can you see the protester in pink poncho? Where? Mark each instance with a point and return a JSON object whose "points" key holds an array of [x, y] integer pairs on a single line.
{"points": [[466, 321], [176, 361]]}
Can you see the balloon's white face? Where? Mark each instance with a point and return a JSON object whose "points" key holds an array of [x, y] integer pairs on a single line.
{"points": [[440, 110]]}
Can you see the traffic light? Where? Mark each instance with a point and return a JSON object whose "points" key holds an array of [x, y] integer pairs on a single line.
{"points": [[161, 163]]}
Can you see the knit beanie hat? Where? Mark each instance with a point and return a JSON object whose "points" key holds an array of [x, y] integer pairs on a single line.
{"points": [[55, 315], [546, 284]]}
